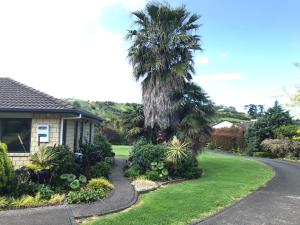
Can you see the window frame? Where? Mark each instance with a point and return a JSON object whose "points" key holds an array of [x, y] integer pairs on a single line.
{"points": [[15, 151]]}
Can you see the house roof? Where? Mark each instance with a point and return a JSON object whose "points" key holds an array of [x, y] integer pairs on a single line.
{"points": [[17, 97]]}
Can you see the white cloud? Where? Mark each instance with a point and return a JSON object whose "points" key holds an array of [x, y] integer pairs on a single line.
{"points": [[224, 54], [201, 60], [218, 77], [59, 47]]}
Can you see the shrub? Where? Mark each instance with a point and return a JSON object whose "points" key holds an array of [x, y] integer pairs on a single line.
{"points": [[286, 131], [177, 151], [153, 175], [92, 154], [45, 192], [28, 201], [19, 189], [281, 147], [160, 169], [56, 199], [100, 183], [141, 157], [65, 161], [132, 172], [45, 158], [101, 169], [102, 142], [265, 126], [189, 169], [6, 167], [4, 202], [211, 146], [112, 135], [229, 138], [262, 154], [71, 181], [85, 195]]}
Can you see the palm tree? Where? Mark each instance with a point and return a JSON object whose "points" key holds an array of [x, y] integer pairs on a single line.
{"points": [[162, 57], [132, 121], [195, 111]]}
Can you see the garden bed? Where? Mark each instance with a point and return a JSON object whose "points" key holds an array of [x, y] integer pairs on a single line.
{"points": [[55, 175]]}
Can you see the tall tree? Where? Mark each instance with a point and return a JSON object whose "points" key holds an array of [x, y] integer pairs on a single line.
{"points": [[161, 53], [196, 111], [265, 126], [132, 122]]}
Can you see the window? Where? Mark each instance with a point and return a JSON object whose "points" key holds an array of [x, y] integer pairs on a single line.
{"points": [[16, 134]]}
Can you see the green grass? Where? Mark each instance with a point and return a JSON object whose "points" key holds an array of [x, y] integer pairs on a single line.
{"points": [[122, 150], [226, 180]]}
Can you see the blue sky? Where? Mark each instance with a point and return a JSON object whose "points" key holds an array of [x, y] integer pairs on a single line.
{"points": [[249, 48]]}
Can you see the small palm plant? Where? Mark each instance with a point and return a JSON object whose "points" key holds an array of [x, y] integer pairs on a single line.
{"points": [[177, 151], [45, 158]]}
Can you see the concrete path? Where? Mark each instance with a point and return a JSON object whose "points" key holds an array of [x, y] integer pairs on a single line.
{"points": [[123, 196], [276, 204]]}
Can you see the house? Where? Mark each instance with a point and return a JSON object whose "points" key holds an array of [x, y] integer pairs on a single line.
{"points": [[224, 124], [30, 119], [227, 124]]}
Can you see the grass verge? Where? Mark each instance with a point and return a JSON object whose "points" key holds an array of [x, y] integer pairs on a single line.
{"points": [[226, 180], [122, 150]]}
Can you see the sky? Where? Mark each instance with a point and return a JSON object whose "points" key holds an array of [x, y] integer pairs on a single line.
{"points": [[77, 49]]}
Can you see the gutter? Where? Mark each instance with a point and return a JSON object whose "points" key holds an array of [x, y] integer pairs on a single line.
{"points": [[62, 125]]}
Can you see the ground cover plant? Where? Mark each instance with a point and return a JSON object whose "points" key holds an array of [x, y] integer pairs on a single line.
{"points": [[226, 179]]}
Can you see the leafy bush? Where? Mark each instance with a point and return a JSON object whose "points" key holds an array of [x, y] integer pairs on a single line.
{"points": [[160, 169], [6, 167], [189, 169], [72, 182], [286, 131], [45, 158], [153, 175], [282, 147], [56, 199], [65, 161], [28, 201], [262, 154], [132, 172], [141, 157], [4, 202], [100, 183], [229, 138], [177, 151], [211, 146], [85, 195], [101, 169], [112, 135], [92, 154], [265, 126], [102, 142], [45, 192]]}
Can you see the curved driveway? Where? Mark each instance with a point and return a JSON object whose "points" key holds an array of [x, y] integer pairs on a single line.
{"points": [[276, 204]]}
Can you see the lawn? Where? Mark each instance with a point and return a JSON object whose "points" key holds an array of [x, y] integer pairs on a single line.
{"points": [[226, 180], [122, 150]]}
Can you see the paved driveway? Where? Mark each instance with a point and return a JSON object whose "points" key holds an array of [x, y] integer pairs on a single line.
{"points": [[276, 204]]}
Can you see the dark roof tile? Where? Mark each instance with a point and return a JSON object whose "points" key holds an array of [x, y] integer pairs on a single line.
{"points": [[15, 96]]}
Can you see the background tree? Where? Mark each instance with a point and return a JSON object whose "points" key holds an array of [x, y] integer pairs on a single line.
{"points": [[162, 57], [196, 111], [265, 126], [255, 110], [133, 123]]}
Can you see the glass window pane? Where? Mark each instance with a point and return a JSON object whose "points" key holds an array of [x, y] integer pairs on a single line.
{"points": [[16, 134]]}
